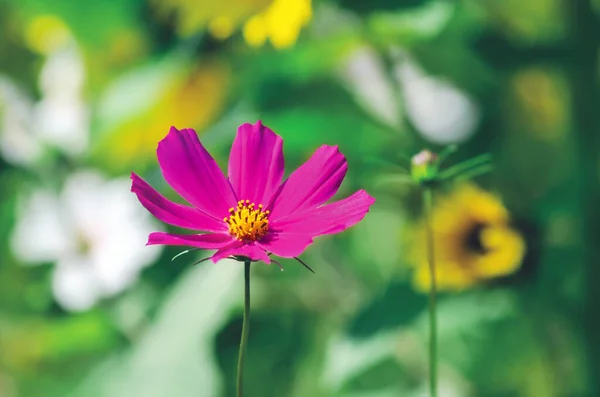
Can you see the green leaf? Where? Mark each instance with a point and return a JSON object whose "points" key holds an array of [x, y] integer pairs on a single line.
{"points": [[397, 306]]}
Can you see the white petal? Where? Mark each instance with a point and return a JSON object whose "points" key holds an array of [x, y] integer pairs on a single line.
{"points": [[440, 111], [120, 257], [75, 284], [115, 226], [84, 199], [18, 144], [40, 234], [365, 77], [62, 117]]}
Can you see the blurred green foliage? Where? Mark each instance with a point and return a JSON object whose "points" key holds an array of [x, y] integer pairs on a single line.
{"points": [[381, 79]]}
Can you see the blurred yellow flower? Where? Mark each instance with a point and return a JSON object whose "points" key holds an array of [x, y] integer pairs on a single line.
{"points": [[191, 99], [279, 21], [472, 241]]}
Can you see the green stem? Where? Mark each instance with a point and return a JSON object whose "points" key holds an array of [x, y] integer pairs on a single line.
{"points": [[583, 65], [245, 329], [428, 202]]}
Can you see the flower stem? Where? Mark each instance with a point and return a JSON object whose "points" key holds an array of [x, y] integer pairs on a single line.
{"points": [[428, 203], [245, 329]]}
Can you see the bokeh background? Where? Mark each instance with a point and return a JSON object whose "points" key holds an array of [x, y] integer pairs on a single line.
{"points": [[87, 89]]}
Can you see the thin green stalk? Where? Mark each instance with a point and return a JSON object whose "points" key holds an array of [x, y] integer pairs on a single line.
{"points": [[472, 173], [245, 329], [446, 152], [428, 203], [477, 161]]}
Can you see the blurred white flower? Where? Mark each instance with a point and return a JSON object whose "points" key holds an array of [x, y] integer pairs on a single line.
{"points": [[18, 144], [440, 111], [61, 116], [59, 119], [364, 76], [94, 230]]}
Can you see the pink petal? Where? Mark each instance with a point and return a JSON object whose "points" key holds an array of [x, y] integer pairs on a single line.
{"points": [[194, 174], [327, 219], [286, 245], [172, 213], [205, 241], [256, 163], [289, 236], [312, 184], [240, 248]]}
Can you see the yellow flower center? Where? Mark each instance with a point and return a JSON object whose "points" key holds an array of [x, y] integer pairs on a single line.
{"points": [[248, 222]]}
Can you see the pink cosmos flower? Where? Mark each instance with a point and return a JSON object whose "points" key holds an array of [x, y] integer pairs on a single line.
{"points": [[252, 213]]}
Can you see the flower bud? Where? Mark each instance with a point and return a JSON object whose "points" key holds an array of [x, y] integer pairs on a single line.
{"points": [[424, 166]]}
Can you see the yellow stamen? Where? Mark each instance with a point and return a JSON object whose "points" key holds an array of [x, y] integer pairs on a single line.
{"points": [[247, 222]]}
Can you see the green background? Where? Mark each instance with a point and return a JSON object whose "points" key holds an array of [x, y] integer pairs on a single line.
{"points": [[356, 328]]}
